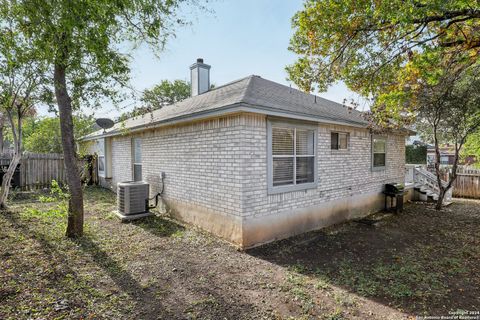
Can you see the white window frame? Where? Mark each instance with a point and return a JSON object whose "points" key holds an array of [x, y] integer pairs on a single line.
{"points": [[379, 168], [133, 158], [347, 136], [101, 154], [293, 187]]}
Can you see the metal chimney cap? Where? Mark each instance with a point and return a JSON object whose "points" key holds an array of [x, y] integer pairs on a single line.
{"points": [[200, 60]]}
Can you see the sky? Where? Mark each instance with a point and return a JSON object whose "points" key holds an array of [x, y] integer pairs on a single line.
{"points": [[237, 39]]}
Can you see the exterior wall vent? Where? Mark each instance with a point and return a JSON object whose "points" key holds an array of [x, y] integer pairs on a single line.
{"points": [[132, 197]]}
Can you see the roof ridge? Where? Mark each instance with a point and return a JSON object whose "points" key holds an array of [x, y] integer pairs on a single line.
{"points": [[210, 90], [191, 97], [248, 87], [254, 92], [299, 90], [314, 96], [227, 84]]}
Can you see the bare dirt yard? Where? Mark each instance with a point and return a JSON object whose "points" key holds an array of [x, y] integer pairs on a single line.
{"points": [[420, 262]]}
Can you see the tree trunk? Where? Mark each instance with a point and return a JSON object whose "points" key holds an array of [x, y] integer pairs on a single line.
{"points": [[7, 178], [2, 138], [17, 144], [451, 178], [75, 205], [441, 195]]}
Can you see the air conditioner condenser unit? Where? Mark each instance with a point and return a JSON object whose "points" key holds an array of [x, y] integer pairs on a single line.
{"points": [[132, 200]]}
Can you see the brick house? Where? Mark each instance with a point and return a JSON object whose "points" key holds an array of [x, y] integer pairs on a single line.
{"points": [[253, 161]]}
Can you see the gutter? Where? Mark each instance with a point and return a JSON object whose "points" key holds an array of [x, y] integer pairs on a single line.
{"points": [[233, 108]]}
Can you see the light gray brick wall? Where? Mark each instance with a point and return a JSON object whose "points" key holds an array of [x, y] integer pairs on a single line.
{"points": [[121, 159], [202, 163], [221, 165], [340, 173]]}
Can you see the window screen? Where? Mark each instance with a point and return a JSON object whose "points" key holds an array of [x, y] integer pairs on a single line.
{"points": [[293, 156], [339, 141], [101, 164], [305, 155], [101, 157], [137, 159], [283, 155], [379, 152]]}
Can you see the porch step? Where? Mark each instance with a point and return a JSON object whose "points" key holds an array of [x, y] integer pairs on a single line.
{"points": [[420, 189], [424, 183], [434, 198], [431, 196]]}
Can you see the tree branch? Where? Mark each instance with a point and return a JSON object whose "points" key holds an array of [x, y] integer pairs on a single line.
{"points": [[470, 13]]}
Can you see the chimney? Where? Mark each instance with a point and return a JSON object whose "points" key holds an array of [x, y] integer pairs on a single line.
{"points": [[199, 77]]}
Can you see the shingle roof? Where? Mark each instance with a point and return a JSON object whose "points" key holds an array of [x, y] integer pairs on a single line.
{"points": [[253, 93]]}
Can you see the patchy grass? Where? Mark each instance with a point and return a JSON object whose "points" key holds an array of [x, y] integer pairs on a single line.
{"points": [[297, 287], [158, 269], [421, 261], [48, 275]]}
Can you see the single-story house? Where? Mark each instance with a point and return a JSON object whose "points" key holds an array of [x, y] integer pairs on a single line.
{"points": [[253, 161]]}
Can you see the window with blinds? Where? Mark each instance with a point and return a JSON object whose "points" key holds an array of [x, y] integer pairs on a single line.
{"points": [[137, 159], [379, 151], [292, 157]]}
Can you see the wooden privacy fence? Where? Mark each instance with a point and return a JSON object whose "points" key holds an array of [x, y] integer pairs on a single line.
{"points": [[37, 170], [467, 184]]}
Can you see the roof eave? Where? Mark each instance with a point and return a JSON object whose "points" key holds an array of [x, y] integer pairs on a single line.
{"points": [[233, 108]]}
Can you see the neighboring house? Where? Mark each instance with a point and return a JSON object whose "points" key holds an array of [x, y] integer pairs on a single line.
{"points": [[447, 156], [253, 161]]}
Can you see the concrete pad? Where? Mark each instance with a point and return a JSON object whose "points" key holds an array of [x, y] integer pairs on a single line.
{"points": [[132, 216]]}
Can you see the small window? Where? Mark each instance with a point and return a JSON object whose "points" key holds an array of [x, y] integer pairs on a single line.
{"points": [[137, 159], [101, 165], [292, 159], [379, 152], [444, 159], [101, 157], [339, 141], [430, 159]]}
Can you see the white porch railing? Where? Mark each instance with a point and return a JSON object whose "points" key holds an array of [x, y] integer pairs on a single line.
{"points": [[426, 182]]}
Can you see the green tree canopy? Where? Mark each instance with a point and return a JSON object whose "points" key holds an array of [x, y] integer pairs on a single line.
{"points": [[416, 61], [162, 94], [80, 42], [166, 93], [415, 154], [43, 135], [383, 50], [22, 87], [472, 148]]}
